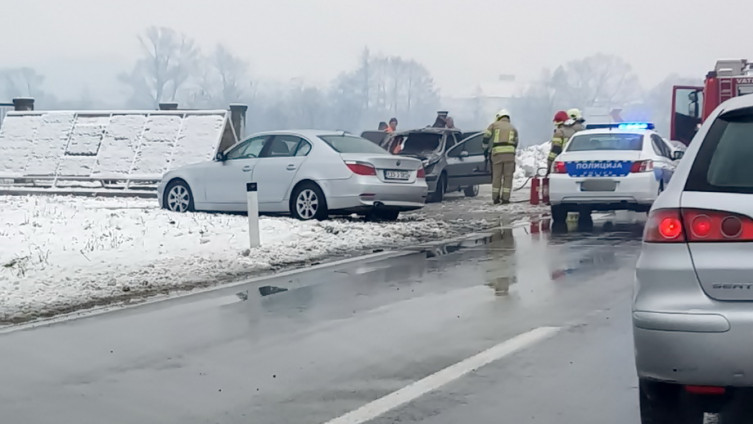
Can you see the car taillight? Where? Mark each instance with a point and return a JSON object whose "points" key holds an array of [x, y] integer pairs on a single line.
{"points": [[697, 225], [421, 173], [361, 168], [642, 166], [559, 168]]}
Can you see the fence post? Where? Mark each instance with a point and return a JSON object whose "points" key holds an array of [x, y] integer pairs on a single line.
{"points": [[21, 104], [253, 214]]}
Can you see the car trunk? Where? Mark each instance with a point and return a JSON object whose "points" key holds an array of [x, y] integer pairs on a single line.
{"points": [[724, 269], [390, 169], [592, 164]]}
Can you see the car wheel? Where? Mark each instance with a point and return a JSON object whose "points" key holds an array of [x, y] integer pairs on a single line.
{"points": [[438, 194], [308, 202], [471, 191], [384, 215], [559, 213], [178, 197]]}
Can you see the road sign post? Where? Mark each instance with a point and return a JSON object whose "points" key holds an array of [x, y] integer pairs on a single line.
{"points": [[253, 214]]}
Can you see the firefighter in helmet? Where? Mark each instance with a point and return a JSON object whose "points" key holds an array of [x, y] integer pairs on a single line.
{"points": [[574, 123], [500, 141], [559, 138]]}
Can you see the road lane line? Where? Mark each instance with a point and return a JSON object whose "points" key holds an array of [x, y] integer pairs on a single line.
{"points": [[440, 378]]}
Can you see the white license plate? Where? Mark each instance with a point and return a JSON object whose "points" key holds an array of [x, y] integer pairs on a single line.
{"points": [[396, 175]]}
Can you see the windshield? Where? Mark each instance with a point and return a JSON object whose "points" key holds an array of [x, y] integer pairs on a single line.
{"points": [[417, 144], [586, 142], [351, 144]]}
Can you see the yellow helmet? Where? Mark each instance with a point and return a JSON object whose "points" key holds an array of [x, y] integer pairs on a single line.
{"points": [[503, 113], [574, 113]]}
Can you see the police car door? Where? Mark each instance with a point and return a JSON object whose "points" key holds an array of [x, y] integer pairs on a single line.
{"points": [[664, 166]]}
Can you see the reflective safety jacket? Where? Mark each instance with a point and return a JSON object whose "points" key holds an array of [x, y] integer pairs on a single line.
{"points": [[570, 130], [502, 136], [559, 138]]}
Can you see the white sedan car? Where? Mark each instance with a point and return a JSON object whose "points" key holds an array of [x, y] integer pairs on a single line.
{"points": [[309, 173], [610, 167]]}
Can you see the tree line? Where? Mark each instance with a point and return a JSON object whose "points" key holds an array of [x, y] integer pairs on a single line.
{"points": [[172, 68]]}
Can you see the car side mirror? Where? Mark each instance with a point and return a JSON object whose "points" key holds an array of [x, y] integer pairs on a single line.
{"points": [[464, 154], [220, 157], [677, 155]]}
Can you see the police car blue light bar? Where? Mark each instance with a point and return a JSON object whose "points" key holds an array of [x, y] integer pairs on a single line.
{"points": [[622, 126]]}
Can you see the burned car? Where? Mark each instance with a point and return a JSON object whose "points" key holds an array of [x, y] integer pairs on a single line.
{"points": [[453, 160]]}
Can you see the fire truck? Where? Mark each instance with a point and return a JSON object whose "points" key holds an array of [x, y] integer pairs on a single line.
{"points": [[692, 105]]}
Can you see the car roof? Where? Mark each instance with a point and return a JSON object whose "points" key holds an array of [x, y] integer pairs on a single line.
{"points": [[431, 130], [614, 131], [305, 133]]}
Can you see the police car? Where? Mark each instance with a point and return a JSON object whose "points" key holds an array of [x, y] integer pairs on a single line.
{"points": [[610, 167]]}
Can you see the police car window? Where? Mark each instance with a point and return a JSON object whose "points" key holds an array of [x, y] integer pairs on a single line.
{"points": [[660, 148], [723, 160], [607, 141]]}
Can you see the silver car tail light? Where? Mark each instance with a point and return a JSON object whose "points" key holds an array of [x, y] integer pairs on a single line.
{"points": [[697, 226], [361, 168]]}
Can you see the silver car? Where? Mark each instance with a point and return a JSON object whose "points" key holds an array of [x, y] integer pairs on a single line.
{"points": [[310, 174], [454, 161], [693, 303]]}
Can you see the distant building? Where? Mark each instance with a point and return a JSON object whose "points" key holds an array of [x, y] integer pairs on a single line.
{"points": [[474, 107]]}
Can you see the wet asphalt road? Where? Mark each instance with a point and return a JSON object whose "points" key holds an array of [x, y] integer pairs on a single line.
{"points": [[310, 347]]}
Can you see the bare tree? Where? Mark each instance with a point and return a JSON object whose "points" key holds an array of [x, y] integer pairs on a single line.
{"points": [[601, 79], [224, 80], [169, 61], [21, 82], [386, 86]]}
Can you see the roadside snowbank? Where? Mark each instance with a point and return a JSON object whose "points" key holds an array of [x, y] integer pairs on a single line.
{"points": [[529, 159], [64, 253]]}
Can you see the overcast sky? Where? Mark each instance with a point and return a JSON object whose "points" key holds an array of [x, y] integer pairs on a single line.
{"points": [[78, 43]]}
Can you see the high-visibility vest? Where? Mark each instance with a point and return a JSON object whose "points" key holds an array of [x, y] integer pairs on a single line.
{"points": [[558, 142], [503, 137]]}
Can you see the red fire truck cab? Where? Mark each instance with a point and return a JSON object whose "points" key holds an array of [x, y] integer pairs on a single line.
{"points": [[692, 105]]}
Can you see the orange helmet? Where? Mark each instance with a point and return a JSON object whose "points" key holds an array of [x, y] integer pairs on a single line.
{"points": [[561, 116]]}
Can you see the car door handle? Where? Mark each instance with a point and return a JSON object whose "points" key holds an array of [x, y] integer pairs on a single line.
{"points": [[291, 167], [247, 168]]}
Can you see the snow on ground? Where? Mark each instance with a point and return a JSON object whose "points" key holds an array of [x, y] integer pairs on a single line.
{"points": [[529, 160], [62, 253]]}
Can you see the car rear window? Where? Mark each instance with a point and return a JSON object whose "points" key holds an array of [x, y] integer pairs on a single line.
{"points": [[418, 143], [723, 162], [351, 144], [616, 141]]}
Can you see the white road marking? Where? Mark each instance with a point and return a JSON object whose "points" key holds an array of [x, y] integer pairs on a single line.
{"points": [[440, 378]]}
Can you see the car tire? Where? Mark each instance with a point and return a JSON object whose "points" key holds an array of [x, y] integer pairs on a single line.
{"points": [[178, 197], [308, 202], [471, 191], [559, 213], [438, 194], [384, 215]]}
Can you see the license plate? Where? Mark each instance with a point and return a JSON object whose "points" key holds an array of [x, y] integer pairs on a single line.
{"points": [[396, 175], [598, 185]]}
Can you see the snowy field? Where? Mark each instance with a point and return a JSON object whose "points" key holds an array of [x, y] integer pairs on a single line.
{"points": [[62, 253]]}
